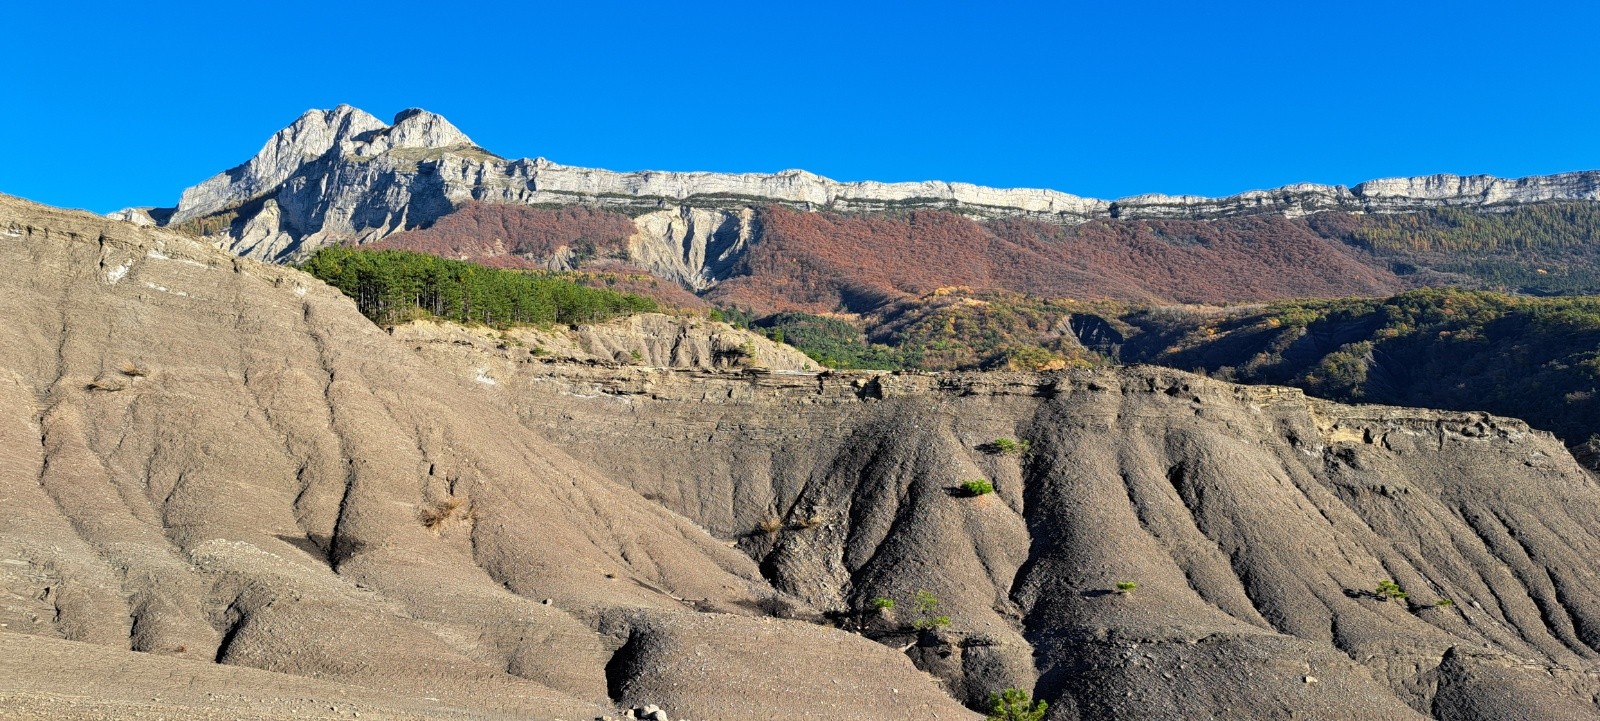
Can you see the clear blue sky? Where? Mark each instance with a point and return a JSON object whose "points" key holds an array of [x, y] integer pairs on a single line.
{"points": [[115, 104]]}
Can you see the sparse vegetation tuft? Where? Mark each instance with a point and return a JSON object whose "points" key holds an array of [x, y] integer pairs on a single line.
{"points": [[770, 525], [883, 603], [1388, 590], [1015, 704], [1444, 603], [1126, 587], [976, 487], [132, 369], [435, 516], [927, 608], [1007, 446], [108, 384]]}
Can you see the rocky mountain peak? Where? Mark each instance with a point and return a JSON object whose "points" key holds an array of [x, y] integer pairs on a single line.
{"points": [[309, 137], [314, 136], [413, 128]]}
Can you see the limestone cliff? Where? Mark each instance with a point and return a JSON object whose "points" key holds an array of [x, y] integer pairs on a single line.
{"points": [[343, 175]]}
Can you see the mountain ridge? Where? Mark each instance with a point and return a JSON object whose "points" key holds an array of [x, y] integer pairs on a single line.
{"points": [[296, 193]]}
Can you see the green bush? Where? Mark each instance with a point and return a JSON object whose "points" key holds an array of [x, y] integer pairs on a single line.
{"points": [[883, 603], [1389, 590], [832, 342], [1015, 704], [928, 618], [977, 487], [1127, 586], [735, 317]]}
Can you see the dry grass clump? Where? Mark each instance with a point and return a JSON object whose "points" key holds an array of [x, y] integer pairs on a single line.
{"points": [[770, 525], [109, 384], [133, 369], [434, 517]]}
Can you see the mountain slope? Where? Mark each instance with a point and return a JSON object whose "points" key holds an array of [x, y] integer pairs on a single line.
{"points": [[346, 153], [824, 262], [1533, 358], [342, 176], [1257, 524], [216, 460]]}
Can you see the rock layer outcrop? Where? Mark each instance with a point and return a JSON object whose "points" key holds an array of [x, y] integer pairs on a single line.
{"points": [[342, 175], [651, 340]]}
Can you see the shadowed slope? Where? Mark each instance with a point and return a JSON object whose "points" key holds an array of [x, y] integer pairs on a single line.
{"points": [[1256, 523]]}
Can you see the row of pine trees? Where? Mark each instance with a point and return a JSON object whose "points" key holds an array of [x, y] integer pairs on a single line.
{"points": [[393, 286]]}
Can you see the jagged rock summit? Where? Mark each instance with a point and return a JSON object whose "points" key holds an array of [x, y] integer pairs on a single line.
{"points": [[343, 175], [352, 132]]}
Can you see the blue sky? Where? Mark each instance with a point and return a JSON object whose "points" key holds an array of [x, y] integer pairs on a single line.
{"points": [[109, 105]]}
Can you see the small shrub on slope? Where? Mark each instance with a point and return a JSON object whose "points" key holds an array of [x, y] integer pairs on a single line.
{"points": [[1015, 705], [927, 608], [1389, 590], [434, 517], [976, 487]]}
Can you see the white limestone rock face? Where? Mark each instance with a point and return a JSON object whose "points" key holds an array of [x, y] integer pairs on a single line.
{"points": [[415, 128], [310, 137], [1401, 193], [137, 216], [263, 235], [343, 175], [691, 245]]}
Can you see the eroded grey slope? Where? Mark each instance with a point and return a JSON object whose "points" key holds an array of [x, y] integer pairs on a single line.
{"points": [[1256, 522], [210, 459]]}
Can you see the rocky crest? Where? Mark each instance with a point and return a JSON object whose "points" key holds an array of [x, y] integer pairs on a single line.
{"points": [[649, 340], [343, 175]]}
